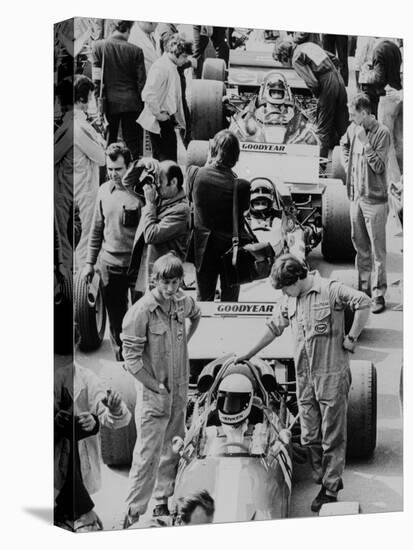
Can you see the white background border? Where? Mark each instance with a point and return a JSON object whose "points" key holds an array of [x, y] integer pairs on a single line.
{"points": [[26, 282]]}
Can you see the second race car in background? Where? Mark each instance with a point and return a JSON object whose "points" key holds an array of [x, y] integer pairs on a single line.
{"points": [[279, 143]]}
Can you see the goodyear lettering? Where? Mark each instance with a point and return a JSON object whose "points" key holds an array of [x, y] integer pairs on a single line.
{"points": [[263, 147], [235, 309]]}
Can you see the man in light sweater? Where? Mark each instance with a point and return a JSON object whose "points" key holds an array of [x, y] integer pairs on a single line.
{"points": [[116, 217]]}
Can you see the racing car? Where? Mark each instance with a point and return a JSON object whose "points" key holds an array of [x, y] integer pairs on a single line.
{"points": [[258, 461], [271, 111]]}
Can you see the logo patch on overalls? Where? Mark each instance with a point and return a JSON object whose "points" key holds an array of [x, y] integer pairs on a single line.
{"points": [[321, 328]]}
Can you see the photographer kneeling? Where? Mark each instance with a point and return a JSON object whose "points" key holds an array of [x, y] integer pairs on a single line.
{"points": [[165, 222]]}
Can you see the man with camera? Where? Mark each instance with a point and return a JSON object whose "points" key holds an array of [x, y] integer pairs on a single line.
{"points": [[165, 221], [116, 217]]}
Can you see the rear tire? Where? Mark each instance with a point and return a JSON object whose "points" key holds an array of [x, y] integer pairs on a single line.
{"points": [[63, 315], [197, 153], [214, 69], [336, 244], [207, 110], [362, 410], [90, 313], [337, 168]]}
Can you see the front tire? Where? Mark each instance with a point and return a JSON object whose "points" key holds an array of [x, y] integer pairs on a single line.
{"points": [[336, 244], [90, 312], [362, 410], [207, 110], [197, 153], [214, 69]]}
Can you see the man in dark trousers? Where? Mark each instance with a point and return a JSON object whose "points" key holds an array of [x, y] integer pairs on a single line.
{"points": [[202, 34], [164, 108], [211, 190], [337, 44], [382, 83], [121, 65], [384, 71], [318, 71], [165, 222]]}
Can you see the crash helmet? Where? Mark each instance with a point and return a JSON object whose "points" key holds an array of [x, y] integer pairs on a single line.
{"points": [[261, 196], [234, 403], [274, 89]]}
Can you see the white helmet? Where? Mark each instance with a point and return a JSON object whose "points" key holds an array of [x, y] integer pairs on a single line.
{"points": [[235, 395], [261, 196], [274, 88]]}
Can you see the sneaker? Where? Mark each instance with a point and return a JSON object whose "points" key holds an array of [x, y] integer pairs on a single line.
{"points": [[160, 510], [130, 520], [365, 288], [378, 305], [320, 499]]}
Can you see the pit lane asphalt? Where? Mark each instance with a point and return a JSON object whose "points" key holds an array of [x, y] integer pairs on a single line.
{"points": [[377, 483]]}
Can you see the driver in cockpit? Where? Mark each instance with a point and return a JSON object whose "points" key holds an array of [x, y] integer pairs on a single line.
{"points": [[234, 402], [241, 420], [274, 104], [272, 108]]}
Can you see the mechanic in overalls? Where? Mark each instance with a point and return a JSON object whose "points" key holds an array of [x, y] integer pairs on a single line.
{"points": [[318, 70], [314, 309], [156, 354]]}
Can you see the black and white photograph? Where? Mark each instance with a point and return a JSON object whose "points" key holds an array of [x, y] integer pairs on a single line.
{"points": [[228, 274]]}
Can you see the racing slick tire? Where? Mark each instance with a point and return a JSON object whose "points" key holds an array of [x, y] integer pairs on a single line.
{"points": [[214, 69], [90, 312], [337, 169], [362, 410], [336, 243], [117, 445], [207, 110], [63, 315], [197, 153]]}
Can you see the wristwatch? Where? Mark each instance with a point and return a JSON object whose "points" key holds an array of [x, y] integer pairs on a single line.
{"points": [[352, 339], [161, 386]]}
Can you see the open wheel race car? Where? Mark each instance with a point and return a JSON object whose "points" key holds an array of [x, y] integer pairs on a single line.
{"points": [[249, 471], [271, 111]]}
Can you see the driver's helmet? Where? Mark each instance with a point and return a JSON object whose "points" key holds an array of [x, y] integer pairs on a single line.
{"points": [[261, 196], [235, 394], [274, 89]]}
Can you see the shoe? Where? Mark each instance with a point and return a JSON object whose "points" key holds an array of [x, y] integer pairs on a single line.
{"points": [[130, 520], [160, 510], [378, 305], [320, 499], [366, 289]]}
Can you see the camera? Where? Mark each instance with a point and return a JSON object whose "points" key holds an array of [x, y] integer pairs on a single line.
{"points": [[147, 178], [138, 176]]}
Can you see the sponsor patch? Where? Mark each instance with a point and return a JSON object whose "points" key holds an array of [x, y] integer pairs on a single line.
{"points": [[321, 328], [251, 308], [263, 147]]}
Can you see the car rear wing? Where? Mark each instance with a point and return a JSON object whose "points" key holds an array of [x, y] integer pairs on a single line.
{"points": [[233, 327], [297, 163], [249, 68]]}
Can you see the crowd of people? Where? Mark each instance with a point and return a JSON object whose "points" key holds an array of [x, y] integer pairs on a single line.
{"points": [[141, 218]]}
